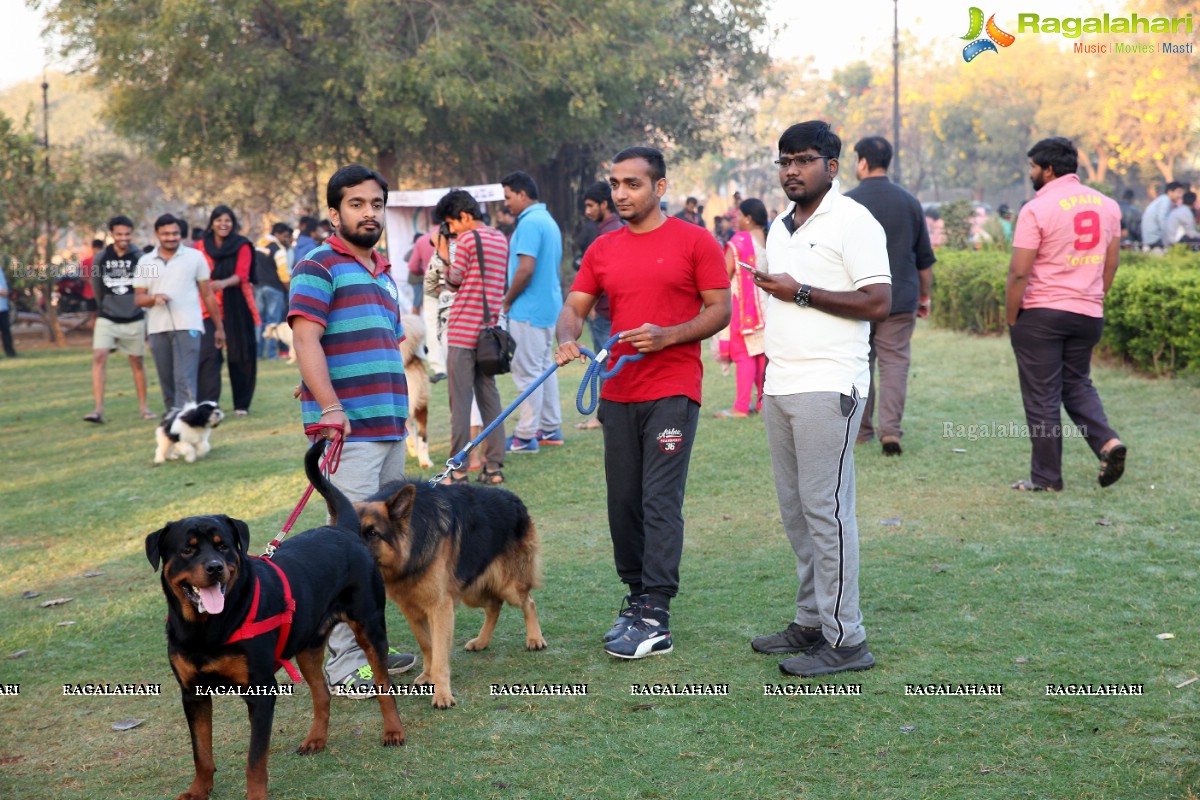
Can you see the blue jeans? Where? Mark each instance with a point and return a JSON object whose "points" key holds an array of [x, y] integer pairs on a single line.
{"points": [[601, 328], [270, 302]]}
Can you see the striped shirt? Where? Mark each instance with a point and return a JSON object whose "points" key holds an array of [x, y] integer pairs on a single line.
{"points": [[361, 318], [466, 315]]}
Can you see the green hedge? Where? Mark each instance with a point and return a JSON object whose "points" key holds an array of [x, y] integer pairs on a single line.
{"points": [[1152, 313]]}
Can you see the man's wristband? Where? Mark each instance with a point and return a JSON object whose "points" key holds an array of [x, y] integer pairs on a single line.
{"points": [[331, 408]]}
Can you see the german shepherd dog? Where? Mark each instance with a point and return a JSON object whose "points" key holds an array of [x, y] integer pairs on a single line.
{"points": [[417, 378], [230, 622], [438, 545]]}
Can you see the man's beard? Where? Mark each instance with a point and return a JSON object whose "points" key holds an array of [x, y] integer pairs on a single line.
{"points": [[366, 239], [1038, 182]]}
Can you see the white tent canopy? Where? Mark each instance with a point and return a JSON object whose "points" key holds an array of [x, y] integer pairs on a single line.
{"points": [[409, 213]]}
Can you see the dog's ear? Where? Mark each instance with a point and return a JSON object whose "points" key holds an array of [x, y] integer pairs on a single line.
{"points": [[241, 529], [152, 544], [400, 504]]}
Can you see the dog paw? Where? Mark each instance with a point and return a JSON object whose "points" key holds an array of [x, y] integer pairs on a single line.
{"points": [[195, 793], [422, 679], [476, 644], [446, 700], [393, 738], [535, 644], [425, 463], [311, 746]]}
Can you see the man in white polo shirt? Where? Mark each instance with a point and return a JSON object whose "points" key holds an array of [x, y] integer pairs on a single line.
{"points": [[170, 283], [829, 280]]}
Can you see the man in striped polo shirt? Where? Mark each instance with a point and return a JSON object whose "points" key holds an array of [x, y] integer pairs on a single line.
{"points": [[471, 274], [346, 330]]}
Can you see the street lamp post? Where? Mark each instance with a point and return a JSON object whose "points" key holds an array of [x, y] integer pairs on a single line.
{"points": [[896, 173]]}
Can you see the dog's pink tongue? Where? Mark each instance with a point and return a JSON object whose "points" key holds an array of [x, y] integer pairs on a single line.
{"points": [[213, 599]]}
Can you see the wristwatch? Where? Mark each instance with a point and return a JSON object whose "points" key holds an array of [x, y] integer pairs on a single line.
{"points": [[801, 297]]}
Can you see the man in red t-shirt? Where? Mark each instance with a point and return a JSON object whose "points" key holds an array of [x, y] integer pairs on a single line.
{"points": [[668, 290], [1066, 248]]}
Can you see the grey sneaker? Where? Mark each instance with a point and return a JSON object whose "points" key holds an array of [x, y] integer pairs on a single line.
{"points": [[792, 639], [398, 662], [823, 659], [626, 617], [358, 685]]}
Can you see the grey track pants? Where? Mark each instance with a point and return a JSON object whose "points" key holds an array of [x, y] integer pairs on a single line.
{"points": [[811, 436]]}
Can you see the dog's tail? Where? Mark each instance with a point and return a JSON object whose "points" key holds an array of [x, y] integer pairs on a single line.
{"points": [[341, 510]]}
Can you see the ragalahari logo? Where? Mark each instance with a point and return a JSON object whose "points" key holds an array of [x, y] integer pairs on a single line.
{"points": [[994, 37]]}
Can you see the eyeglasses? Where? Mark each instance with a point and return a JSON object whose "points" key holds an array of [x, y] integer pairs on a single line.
{"points": [[800, 161]]}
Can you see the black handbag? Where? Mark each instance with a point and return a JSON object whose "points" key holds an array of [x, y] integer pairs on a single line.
{"points": [[495, 348]]}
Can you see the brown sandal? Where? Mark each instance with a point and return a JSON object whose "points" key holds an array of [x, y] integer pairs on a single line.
{"points": [[490, 477], [453, 478]]}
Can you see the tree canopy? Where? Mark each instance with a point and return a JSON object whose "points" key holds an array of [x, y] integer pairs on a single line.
{"points": [[452, 91]]}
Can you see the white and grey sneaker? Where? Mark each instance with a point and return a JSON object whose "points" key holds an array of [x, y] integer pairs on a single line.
{"points": [[649, 635]]}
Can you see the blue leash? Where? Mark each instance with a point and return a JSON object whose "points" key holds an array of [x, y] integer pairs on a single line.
{"points": [[592, 378]]}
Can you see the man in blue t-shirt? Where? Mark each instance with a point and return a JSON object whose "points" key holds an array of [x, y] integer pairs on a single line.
{"points": [[532, 303]]}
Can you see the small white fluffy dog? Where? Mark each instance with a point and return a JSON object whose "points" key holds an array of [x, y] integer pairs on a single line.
{"points": [[184, 432], [417, 377], [282, 333]]}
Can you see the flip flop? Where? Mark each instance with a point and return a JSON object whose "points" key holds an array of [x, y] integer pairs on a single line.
{"points": [[1030, 486], [94, 418], [588, 425], [149, 415], [1112, 465]]}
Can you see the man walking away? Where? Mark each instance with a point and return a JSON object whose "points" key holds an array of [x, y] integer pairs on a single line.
{"points": [[911, 258], [1056, 315]]}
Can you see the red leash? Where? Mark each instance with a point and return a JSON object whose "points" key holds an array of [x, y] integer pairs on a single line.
{"points": [[329, 465]]}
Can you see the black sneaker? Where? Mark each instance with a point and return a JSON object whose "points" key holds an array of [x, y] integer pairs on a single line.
{"points": [[625, 617], [792, 639], [398, 662], [649, 635], [823, 659]]}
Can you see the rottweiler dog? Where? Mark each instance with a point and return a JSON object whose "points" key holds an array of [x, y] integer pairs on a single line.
{"points": [[438, 545], [233, 619]]}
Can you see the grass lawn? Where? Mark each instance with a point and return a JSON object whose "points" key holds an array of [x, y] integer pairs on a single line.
{"points": [[966, 583]]}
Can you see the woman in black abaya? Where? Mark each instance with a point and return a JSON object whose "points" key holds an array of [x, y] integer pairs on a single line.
{"points": [[231, 258]]}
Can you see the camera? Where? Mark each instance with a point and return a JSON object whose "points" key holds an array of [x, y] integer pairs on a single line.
{"points": [[444, 230]]}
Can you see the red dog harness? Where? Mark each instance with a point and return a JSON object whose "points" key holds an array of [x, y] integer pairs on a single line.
{"points": [[252, 628]]}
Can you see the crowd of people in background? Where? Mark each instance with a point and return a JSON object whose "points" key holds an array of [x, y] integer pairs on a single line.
{"points": [[137, 303], [249, 283]]}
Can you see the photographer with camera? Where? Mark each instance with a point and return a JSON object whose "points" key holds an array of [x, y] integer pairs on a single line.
{"points": [[477, 266]]}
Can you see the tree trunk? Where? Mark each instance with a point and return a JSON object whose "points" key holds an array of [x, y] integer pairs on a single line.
{"points": [[386, 163], [561, 183], [54, 331]]}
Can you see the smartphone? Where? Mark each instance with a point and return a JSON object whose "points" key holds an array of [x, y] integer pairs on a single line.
{"points": [[747, 267]]}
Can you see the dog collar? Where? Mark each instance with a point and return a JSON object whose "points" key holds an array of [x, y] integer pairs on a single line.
{"points": [[253, 628]]}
